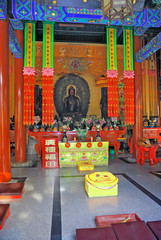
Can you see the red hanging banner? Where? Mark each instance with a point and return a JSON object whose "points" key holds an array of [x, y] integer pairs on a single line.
{"points": [[112, 81], [29, 83], [129, 96], [128, 75]]}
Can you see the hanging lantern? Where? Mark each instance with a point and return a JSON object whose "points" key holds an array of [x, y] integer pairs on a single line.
{"points": [[112, 73], [128, 75], [117, 9]]}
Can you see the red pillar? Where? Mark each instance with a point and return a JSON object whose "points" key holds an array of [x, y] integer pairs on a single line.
{"points": [[5, 160], [20, 129], [158, 100], [138, 122]]}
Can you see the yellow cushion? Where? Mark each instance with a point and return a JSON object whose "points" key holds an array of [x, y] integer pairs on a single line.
{"points": [[85, 165], [99, 184]]}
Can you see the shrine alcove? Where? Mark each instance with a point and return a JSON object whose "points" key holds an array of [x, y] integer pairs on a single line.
{"points": [[82, 92]]}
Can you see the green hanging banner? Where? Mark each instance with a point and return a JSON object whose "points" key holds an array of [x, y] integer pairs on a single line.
{"points": [[111, 48], [29, 46], [48, 43], [29, 73]]}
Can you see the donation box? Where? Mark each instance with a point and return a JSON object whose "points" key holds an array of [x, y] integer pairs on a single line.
{"points": [[50, 152]]}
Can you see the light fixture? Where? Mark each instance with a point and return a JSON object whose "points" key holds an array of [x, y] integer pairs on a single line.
{"points": [[117, 9]]}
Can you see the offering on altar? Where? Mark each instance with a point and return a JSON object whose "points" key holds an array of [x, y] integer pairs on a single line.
{"points": [[35, 129], [42, 129], [93, 128]]}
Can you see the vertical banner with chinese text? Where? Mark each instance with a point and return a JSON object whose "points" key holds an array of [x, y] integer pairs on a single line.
{"points": [[47, 75], [128, 75], [29, 73], [50, 152], [112, 73]]}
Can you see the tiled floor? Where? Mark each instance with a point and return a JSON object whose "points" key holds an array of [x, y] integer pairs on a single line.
{"points": [[55, 202]]}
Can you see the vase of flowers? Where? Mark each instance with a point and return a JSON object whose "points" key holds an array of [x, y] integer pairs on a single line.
{"points": [[81, 135]]}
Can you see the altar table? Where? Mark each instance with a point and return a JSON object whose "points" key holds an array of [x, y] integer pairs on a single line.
{"points": [[152, 133], [107, 136], [111, 136], [39, 135], [71, 153]]}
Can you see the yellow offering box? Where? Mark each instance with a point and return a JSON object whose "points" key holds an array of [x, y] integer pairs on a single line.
{"points": [[85, 166], [101, 184]]}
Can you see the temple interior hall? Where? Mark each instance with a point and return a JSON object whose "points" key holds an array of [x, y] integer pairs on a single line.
{"points": [[80, 120]]}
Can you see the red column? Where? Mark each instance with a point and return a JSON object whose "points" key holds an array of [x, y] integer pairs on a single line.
{"points": [[158, 100], [20, 129], [138, 122], [5, 160]]}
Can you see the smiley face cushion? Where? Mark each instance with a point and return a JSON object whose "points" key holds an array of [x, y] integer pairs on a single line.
{"points": [[101, 184]]}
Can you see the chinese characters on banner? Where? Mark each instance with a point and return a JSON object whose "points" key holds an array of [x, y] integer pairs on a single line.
{"points": [[50, 153]]}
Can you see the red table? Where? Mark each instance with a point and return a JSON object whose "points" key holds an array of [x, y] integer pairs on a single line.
{"points": [[144, 153], [111, 137], [39, 135]]}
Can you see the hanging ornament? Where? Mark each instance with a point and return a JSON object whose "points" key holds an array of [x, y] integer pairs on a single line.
{"points": [[112, 73], [128, 75], [29, 74], [47, 75]]}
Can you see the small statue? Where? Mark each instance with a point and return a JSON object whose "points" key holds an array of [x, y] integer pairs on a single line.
{"points": [[71, 103]]}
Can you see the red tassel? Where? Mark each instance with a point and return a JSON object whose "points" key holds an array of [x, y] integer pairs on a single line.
{"points": [[129, 100], [43, 117], [52, 101], [24, 101]]}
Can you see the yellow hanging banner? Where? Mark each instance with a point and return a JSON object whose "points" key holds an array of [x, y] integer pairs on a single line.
{"points": [[29, 44], [48, 46], [128, 50], [111, 49]]}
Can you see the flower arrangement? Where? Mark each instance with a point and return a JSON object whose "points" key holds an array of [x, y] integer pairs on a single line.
{"points": [[101, 121], [36, 119], [67, 120], [82, 134], [88, 122]]}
